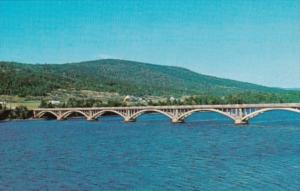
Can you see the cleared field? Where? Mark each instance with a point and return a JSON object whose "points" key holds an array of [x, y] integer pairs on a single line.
{"points": [[28, 104]]}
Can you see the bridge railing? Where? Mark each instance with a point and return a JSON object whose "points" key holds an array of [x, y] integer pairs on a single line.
{"points": [[232, 106]]}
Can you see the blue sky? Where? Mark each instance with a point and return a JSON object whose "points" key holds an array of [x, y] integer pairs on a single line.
{"points": [[249, 40]]}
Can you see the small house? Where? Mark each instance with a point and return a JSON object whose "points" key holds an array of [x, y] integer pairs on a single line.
{"points": [[54, 102]]}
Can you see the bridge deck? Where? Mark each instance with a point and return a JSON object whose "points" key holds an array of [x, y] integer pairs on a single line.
{"points": [[233, 106]]}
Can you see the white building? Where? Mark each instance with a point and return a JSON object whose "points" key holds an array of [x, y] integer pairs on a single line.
{"points": [[54, 102], [129, 98]]}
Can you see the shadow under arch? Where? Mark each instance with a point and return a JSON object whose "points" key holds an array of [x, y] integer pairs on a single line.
{"points": [[69, 113], [149, 111], [261, 111], [103, 112], [45, 114], [190, 113]]}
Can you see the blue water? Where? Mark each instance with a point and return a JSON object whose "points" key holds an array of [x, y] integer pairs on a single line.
{"points": [[206, 153]]}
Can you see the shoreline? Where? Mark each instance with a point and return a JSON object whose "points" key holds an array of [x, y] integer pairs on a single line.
{"points": [[45, 119]]}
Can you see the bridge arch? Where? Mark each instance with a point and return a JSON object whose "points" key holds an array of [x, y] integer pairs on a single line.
{"points": [[187, 114], [100, 113], [260, 111], [42, 113], [66, 114], [139, 113]]}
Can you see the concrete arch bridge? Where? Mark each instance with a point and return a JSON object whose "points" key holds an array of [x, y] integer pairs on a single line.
{"points": [[239, 113]]}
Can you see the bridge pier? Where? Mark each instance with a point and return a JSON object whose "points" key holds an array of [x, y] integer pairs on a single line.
{"points": [[240, 122], [127, 120], [90, 119], [175, 120], [60, 118]]}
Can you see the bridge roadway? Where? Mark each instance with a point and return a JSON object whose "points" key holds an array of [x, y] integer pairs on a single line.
{"points": [[239, 113]]}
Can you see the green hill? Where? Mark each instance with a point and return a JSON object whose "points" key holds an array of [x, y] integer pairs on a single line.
{"points": [[124, 77]]}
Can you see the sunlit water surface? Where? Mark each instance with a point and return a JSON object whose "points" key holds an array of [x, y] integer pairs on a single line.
{"points": [[206, 153]]}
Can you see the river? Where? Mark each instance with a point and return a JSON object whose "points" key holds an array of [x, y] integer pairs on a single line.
{"points": [[207, 152]]}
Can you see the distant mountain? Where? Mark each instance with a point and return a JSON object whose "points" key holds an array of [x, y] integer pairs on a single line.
{"points": [[125, 77], [293, 89]]}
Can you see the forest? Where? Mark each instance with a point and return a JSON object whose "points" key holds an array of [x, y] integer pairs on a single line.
{"points": [[121, 76]]}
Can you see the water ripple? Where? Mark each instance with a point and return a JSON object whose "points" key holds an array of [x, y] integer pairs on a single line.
{"points": [[151, 154]]}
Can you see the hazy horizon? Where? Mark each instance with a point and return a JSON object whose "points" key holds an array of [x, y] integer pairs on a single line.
{"points": [[250, 41]]}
